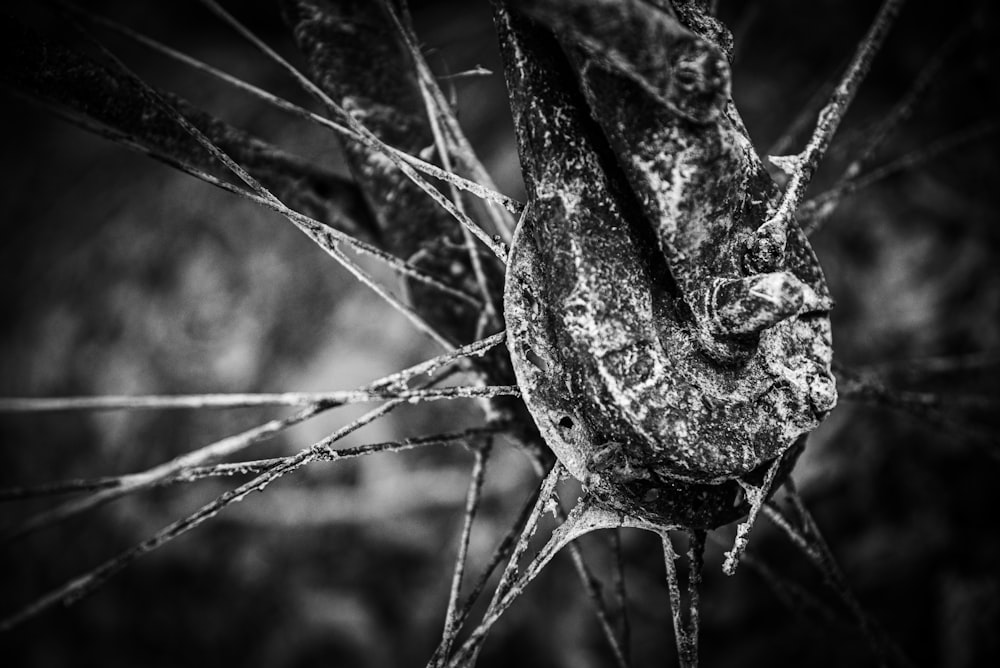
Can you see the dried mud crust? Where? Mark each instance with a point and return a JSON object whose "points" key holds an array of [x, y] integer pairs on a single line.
{"points": [[611, 296]]}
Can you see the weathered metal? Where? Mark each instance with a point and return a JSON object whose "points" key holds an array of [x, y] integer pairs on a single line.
{"points": [[666, 349]]}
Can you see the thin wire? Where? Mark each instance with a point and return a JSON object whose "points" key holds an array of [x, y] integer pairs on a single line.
{"points": [[233, 444], [367, 137], [807, 162], [620, 592], [473, 497], [813, 545], [482, 191], [256, 466], [815, 211], [321, 234], [685, 634], [593, 588], [226, 401], [245, 176], [502, 552], [463, 149], [75, 589]]}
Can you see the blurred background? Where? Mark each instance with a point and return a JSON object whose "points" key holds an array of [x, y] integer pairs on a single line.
{"points": [[122, 276]]}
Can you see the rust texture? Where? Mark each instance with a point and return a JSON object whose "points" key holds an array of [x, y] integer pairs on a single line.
{"points": [[660, 359]]}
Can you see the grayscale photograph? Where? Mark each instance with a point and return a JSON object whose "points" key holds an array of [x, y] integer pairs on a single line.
{"points": [[500, 333]]}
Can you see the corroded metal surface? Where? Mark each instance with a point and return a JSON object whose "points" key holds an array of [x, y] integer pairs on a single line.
{"points": [[664, 349]]}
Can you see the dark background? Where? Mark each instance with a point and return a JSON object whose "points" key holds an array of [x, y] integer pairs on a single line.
{"points": [[122, 276]]}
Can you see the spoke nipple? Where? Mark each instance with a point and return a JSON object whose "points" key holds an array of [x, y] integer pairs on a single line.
{"points": [[750, 305]]}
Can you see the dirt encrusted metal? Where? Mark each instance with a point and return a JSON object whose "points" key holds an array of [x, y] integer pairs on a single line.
{"points": [[669, 347]]}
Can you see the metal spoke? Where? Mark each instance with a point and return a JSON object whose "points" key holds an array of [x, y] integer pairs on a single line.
{"points": [[685, 630], [435, 115], [620, 593], [932, 408], [259, 188], [500, 554], [811, 542], [814, 212], [473, 497], [213, 401], [81, 586], [232, 444], [583, 519], [593, 589], [450, 129], [485, 192], [369, 139], [251, 467], [324, 236], [756, 496], [803, 166]]}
